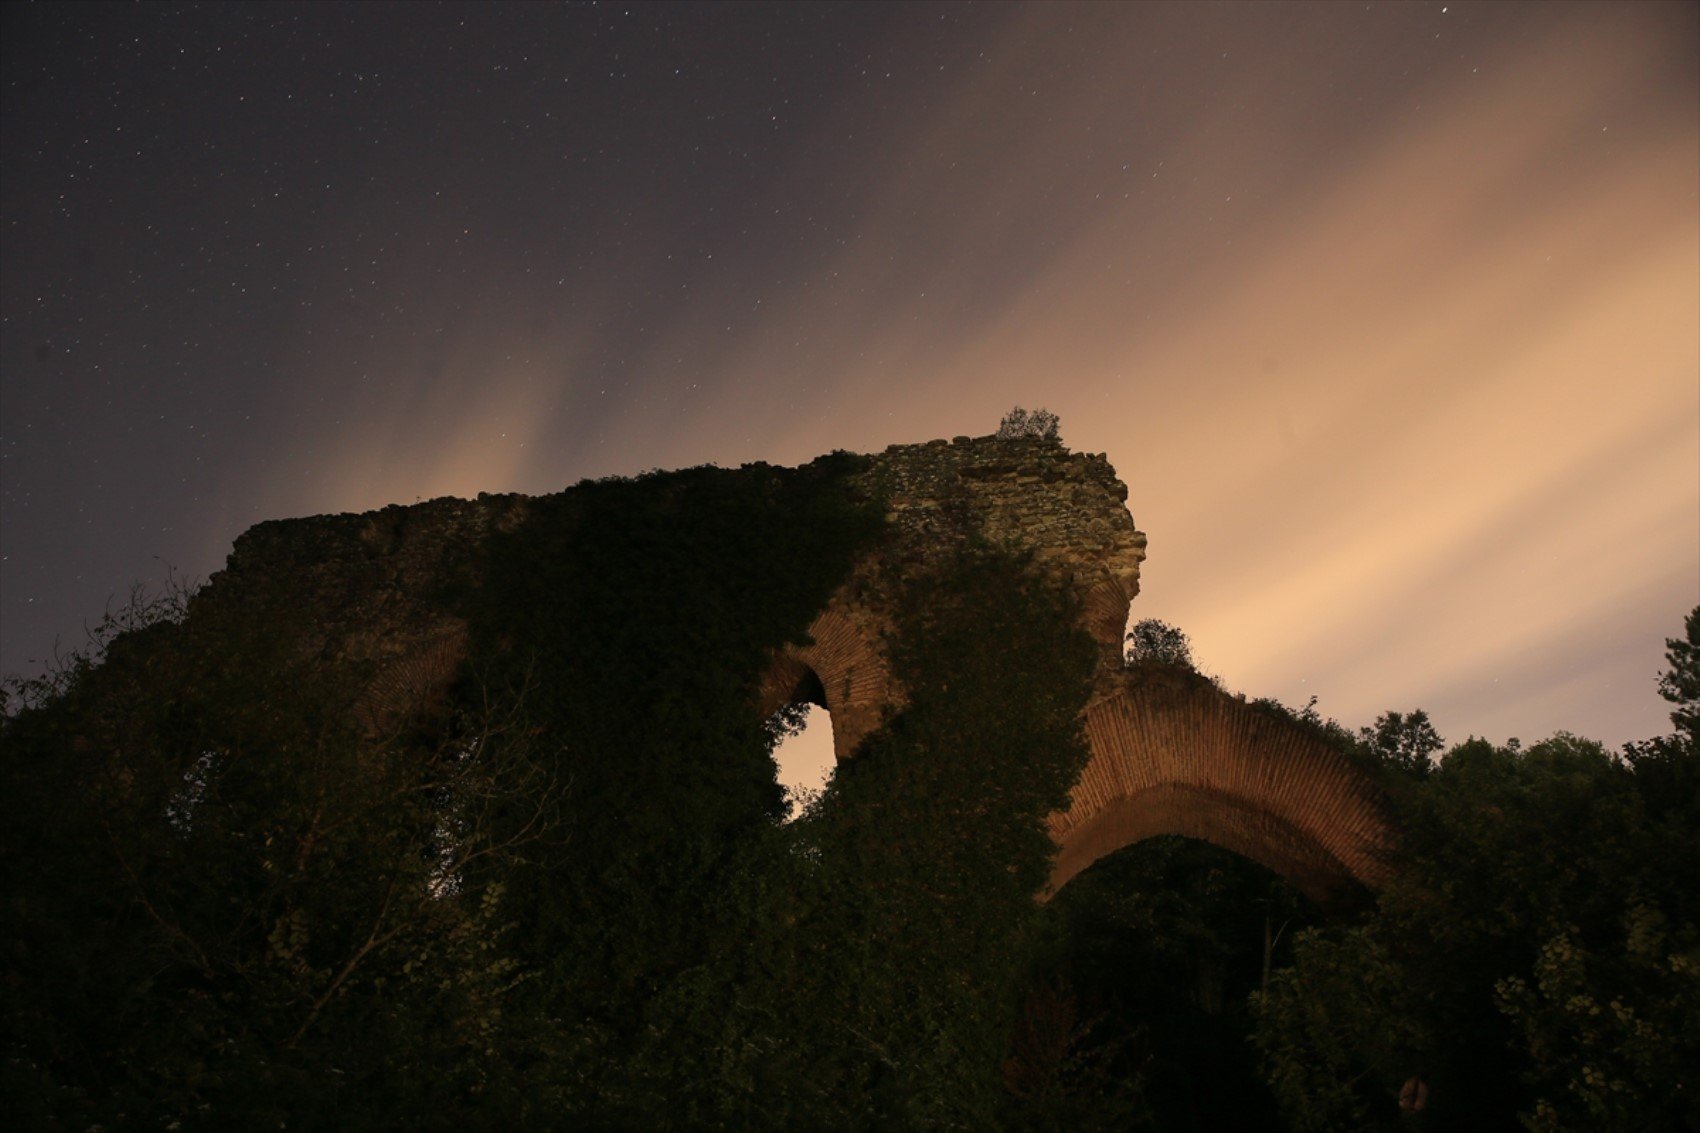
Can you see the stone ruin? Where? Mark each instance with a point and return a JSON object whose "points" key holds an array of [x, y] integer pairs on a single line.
{"points": [[1170, 752]]}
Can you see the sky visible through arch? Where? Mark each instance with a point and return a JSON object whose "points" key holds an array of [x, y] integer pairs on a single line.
{"points": [[1386, 313]]}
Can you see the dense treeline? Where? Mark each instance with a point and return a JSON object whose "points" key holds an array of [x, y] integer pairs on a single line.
{"points": [[568, 897], [1535, 964], [1538, 957]]}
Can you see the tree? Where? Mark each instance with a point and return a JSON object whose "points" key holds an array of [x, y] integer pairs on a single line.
{"points": [[1158, 643], [1405, 742], [1536, 959], [1018, 424], [1668, 767], [227, 900], [1680, 684]]}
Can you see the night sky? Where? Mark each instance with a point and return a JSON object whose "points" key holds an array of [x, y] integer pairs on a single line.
{"points": [[1388, 313]]}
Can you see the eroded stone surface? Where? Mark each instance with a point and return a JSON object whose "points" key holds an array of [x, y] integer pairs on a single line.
{"points": [[1172, 754], [1067, 509], [1169, 756], [362, 594]]}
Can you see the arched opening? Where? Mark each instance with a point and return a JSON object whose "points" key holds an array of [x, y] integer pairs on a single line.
{"points": [[1174, 755], [1224, 821], [1155, 950], [804, 758], [803, 751]]}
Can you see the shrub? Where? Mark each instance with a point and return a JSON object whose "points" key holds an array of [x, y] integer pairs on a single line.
{"points": [[1018, 423]]}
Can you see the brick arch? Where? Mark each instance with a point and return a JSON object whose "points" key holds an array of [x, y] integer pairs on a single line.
{"points": [[1172, 754], [842, 669]]}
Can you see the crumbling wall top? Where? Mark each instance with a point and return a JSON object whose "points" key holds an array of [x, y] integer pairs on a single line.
{"points": [[1068, 509]]}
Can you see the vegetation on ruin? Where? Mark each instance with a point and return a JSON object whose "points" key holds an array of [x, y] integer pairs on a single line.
{"points": [[1019, 424], [564, 895]]}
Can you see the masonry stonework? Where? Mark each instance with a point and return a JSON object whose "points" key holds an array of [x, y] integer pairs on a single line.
{"points": [[1065, 509], [1170, 754]]}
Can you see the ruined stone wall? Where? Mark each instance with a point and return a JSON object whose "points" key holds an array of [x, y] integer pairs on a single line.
{"points": [[1170, 755], [365, 590], [364, 595], [1066, 509]]}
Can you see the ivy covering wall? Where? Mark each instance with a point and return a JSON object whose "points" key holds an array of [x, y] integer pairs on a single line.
{"points": [[560, 890]]}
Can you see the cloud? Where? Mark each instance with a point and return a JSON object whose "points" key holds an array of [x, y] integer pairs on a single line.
{"points": [[1403, 373]]}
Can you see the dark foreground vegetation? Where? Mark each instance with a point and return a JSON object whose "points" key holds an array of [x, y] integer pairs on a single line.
{"points": [[569, 898]]}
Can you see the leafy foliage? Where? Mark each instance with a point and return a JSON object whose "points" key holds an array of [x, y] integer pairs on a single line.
{"points": [[1403, 741], [564, 896], [1604, 1028], [1018, 423], [1534, 960], [1162, 943], [1158, 643], [648, 609], [226, 902], [1680, 684], [863, 966]]}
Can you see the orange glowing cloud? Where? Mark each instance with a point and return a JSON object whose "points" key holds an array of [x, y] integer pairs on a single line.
{"points": [[1407, 399]]}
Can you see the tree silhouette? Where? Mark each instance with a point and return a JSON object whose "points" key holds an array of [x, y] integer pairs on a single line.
{"points": [[1018, 424], [1158, 642]]}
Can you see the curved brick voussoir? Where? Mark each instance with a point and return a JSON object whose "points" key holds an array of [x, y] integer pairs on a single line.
{"points": [[1172, 754], [843, 670], [419, 677]]}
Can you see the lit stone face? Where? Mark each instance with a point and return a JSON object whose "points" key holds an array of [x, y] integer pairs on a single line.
{"points": [[1065, 508], [1170, 753]]}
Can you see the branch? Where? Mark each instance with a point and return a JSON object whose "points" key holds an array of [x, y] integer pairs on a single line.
{"points": [[173, 930], [374, 941]]}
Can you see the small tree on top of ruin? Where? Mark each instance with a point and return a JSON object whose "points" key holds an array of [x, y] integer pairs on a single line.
{"points": [[1158, 642], [1018, 423]]}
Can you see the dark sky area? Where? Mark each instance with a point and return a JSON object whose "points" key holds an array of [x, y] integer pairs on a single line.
{"points": [[1388, 313]]}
